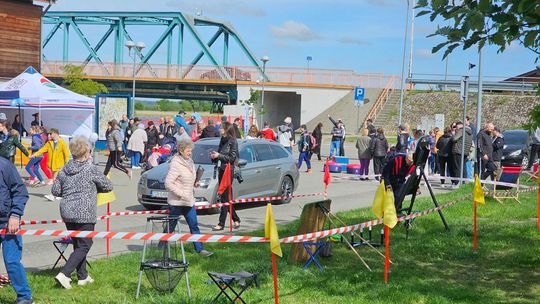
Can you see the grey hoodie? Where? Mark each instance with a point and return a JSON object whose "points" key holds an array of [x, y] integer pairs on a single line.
{"points": [[78, 183]]}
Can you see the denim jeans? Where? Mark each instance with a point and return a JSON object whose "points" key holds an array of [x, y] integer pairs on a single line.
{"points": [[334, 145], [33, 168], [135, 159], [470, 171], [304, 156], [190, 214], [12, 252]]}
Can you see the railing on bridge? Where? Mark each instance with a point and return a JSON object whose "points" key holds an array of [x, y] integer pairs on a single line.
{"points": [[276, 75]]}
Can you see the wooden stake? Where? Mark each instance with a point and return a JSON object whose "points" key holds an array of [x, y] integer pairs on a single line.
{"points": [[387, 255], [274, 271]]}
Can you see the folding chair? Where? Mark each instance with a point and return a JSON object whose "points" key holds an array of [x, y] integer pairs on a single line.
{"points": [[508, 175], [61, 245], [314, 254], [226, 282], [532, 174]]}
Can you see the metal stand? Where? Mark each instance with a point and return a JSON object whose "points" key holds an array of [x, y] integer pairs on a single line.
{"points": [[416, 183], [163, 257]]}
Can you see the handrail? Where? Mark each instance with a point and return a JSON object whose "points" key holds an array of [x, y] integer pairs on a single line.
{"points": [[381, 100]]}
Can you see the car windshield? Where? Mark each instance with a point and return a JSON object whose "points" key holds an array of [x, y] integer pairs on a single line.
{"points": [[201, 153], [512, 138]]}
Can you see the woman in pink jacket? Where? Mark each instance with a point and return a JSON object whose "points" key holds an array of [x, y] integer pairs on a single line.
{"points": [[180, 182]]}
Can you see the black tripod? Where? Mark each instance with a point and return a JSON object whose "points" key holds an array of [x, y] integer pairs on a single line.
{"points": [[411, 187]]}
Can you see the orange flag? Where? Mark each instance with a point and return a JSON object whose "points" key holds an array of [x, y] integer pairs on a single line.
{"points": [[226, 180]]}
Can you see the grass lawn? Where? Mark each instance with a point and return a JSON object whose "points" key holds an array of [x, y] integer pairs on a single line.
{"points": [[433, 266]]}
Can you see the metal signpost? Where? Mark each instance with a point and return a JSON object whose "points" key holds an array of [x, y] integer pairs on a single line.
{"points": [[359, 101], [464, 97]]}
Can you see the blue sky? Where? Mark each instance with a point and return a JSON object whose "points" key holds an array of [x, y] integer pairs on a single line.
{"points": [[363, 35]]}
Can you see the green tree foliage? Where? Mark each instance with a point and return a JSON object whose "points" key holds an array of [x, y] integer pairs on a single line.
{"points": [[75, 79], [477, 22], [139, 106], [254, 96], [166, 105]]}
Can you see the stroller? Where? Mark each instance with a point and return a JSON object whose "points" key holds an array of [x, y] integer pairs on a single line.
{"points": [[160, 155]]}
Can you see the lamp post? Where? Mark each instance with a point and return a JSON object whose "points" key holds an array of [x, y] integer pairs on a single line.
{"points": [[308, 59], [264, 60], [137, 48], [403, 64]]}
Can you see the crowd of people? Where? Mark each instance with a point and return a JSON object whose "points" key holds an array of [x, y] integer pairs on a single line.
{"points": [[458, 143]]}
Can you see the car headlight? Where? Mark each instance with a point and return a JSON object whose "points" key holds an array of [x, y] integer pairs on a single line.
{"points": [[204, 183], [142, 180], [515, 153]]}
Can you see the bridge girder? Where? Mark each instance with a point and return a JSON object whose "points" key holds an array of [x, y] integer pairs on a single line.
{"points": [[174, 22]]}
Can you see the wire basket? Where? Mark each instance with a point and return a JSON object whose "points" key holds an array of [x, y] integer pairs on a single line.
{"points": [[164, 275]]}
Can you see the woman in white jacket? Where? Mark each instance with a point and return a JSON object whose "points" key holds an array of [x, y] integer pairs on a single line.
{"points": [[180, 182], [136, 145]]}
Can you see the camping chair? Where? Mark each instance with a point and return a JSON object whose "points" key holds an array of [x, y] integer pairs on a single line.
{"points": [[242, 280], [313, 254], [508, 175], [61, 245], [532, 174]]}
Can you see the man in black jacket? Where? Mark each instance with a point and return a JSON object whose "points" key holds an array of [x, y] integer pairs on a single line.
{"points": [[498, 144], [457, 148], [372, 131], [402, 145], [485, 151]]}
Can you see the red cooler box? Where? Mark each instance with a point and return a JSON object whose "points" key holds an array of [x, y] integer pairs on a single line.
{"points": [[353, 169], [334, 167]]}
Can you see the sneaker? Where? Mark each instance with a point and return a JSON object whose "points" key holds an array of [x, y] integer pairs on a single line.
{"points": [[236, 225], [205, 253], [63, 280], [136, 168], [217, 228], [25, 302], [50, 197], [50, 182], [88, 280]]}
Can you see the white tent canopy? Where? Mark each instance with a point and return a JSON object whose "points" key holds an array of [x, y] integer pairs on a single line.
{"points": [[71, 113]]}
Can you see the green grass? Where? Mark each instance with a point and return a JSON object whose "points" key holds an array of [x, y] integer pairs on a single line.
{"points": [[432, 266]]}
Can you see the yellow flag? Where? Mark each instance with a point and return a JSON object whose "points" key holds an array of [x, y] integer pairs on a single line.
{"points": [[390, 216], [104, 198], [478, 192], [270, 231], [378, 201]]}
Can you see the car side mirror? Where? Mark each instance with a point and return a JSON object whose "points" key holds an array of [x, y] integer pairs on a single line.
{"points": [[242, 163]]}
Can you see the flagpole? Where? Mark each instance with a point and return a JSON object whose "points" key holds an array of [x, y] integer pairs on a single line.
{"points": [[274, 271], [230, 209], [108, 241], [387, 254], [474, 228]]}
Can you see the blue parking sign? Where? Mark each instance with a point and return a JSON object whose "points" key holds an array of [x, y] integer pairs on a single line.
{"points": [[359, 95]]}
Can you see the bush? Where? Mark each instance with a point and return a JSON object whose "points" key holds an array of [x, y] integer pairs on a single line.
{"points": [[139, 106], [166, 105]]}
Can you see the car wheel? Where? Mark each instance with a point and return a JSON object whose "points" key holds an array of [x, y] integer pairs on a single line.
{"points": [[286, 189], [151, 207], [525, 161]]}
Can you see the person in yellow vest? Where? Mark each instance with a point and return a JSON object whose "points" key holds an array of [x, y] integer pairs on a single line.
{"points": [[58, 155]]}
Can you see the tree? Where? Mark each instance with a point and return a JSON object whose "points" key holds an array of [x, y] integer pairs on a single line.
{"points": [[477, 22], [254, 96], [74, 77], [139, 106]]}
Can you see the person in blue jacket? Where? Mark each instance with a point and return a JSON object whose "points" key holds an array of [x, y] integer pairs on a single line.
{"points": [[33, 164], [13, 198], [180, 121]]}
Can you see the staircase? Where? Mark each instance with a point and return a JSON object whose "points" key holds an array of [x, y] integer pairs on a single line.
{"points": [[386, 118], [346, 109]]}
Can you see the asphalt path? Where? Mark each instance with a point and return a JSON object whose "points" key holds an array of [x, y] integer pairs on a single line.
{"points": [[39, 253]]}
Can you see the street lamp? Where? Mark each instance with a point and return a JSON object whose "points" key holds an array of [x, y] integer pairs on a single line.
{"points": [[264, 60], [403, 64], [137, 48], [308, 59]]}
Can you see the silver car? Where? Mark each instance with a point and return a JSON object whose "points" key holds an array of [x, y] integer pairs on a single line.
{"points": [[266, 167]]}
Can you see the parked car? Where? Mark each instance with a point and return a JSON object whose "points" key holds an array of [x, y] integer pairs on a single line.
{"points": [[266, 167], [234, 72], [516, 148]]}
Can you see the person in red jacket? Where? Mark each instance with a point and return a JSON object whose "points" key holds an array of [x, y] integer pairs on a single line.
{"points": [[267, 132]]}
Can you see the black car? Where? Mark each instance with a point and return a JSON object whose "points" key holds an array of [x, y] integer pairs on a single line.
{"points": [[516, 148]]}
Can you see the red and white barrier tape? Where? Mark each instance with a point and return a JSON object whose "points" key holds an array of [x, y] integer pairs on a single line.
{"points": [[170, 237], [148, 212]]}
